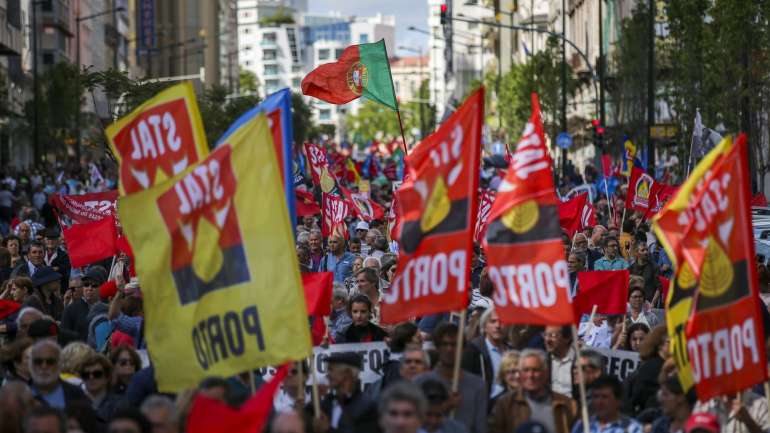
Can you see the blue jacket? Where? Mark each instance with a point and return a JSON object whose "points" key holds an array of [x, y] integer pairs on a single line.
{"points": [[342, 267]]}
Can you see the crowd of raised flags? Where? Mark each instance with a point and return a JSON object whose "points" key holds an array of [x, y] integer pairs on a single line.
{"points": [[248, 253]]}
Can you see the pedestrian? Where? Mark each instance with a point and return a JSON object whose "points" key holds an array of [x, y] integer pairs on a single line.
{"points": [[361, 329], [605, 416], [645, 268], [75, 315], [402, 409], [96, 373], [45, 419], [45, 297], [611, 261], [483, 355], [676, 405], [561, 357], [126, 363], [44, 368], [642, 385], [161, 412], [637, 307], [437, 414], [316, 249], [128, 420], [337, 260], [27, 267]]}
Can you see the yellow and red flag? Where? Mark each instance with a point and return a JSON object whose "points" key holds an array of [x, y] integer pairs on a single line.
{"points": [[713, 308], [211, 259], [524, 250], [437, 206], [159, 139]]}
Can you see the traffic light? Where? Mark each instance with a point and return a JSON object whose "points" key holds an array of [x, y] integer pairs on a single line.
{"points": [[598, 133], [444, 11]]}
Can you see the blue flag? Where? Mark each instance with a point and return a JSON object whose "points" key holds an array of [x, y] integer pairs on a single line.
{"points": [[277, 107]]}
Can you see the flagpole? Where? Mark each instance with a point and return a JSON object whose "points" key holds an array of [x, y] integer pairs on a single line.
{"points": [[581, 381], [458, 354], [314, 395], [609, 202], [395, 98], [401, 126]]}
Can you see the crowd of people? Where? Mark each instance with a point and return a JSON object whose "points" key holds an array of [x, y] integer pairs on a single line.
{"points": [[74, 358]]}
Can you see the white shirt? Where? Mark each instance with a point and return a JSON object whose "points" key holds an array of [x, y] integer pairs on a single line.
{"points": [[336, 414], [596, 336], [561, 373], [496, 357]]}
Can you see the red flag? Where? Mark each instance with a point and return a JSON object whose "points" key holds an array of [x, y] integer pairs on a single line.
{"points": [[486, 198], [335, 209], [660, 195], [608, 290], [208, 415], [706, 228], [363, 207], [84, 208], [437, 216], [8, 307], [640, 186], [89, 243], [523, 242], [318, 292], [759, 199], [306, 204], [319, 168], [606, 165], [576, 214]]}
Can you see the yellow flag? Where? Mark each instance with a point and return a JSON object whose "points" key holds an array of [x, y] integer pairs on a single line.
{"points": [[219, 274], [159, 139]]}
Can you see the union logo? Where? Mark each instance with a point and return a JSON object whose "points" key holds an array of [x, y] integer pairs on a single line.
{"points": [[643, 188], [357, 78]]}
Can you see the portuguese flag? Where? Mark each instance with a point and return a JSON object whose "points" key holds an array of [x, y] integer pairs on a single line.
{"points": [[361, 70]]}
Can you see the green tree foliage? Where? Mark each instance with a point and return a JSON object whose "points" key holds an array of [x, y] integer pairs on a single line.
{"points": [[248, 81], [542, 74], [219, 112], [281, 16], [301, 119]]}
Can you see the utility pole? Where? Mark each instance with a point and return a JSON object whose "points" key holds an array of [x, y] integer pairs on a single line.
{"points": [[601, 66], [564, 83], [651, 89]]}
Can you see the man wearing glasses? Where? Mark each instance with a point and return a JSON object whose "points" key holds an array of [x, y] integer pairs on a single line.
{"points": [[75, 316], [611, 260], [44, 369]]}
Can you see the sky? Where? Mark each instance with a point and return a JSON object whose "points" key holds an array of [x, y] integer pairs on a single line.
{"points": [[407, 12]]}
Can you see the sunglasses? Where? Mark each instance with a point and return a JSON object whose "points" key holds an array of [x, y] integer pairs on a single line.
{"points": [[89, 284], [125, 362], [47, 361], [96, 374]]}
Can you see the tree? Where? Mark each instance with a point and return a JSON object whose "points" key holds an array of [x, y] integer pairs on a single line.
{"points": [[281, 16], [248, 81], [542, 74], [301, 119], [373, 121], [219, 112]]}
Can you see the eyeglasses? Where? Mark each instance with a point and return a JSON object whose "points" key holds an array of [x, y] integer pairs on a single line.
{"points": [[95, 374], [89, 284], [47, 361], [401, 413], [125, 362]]}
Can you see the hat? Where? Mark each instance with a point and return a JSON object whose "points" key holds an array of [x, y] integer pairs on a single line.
{"points": [[45, 275], [352, 359], [362, 225], [42, 328], [95, 274], [531, 427], [702, 421]]}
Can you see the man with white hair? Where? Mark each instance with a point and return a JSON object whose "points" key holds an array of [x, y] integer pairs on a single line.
{"points": [[44, 369], [26, 317], [483, 355], [162, 414]]}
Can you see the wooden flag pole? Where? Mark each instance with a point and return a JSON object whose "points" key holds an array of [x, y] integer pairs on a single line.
{"points": [[314, 382], [767, 392], [401, 126], [300, 383], [458, 352], [581, 379]]}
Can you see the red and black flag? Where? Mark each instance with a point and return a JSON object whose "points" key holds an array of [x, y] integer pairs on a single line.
{"points": [[437, 217], [523, 243]]}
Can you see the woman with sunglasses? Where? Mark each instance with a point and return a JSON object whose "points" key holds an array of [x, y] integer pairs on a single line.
{"points": [[96, 372], [126, 362]]}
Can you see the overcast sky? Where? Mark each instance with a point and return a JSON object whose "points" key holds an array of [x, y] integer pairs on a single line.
{"points": [[407, 12]]}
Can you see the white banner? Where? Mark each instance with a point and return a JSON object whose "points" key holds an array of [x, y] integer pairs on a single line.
{"points": [[374, 356], [619, 363]]}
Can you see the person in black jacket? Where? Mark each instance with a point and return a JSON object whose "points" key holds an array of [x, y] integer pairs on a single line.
{"points": [[482, 355], [358, 412], [362, 330], [55, 257], [641, 387], [75, 316]]}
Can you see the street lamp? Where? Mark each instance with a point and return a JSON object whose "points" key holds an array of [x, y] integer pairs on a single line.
{"points": [[79, 20]]}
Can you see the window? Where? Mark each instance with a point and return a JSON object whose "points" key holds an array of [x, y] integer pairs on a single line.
{"points": [[246, 30], [271, 85], [325, 114], [247, 63], [271, 69], [296, 82], [296, 69], [473, 26], [269, 37], [323, 54], [363, 38], [47, 58], [338, 52], [269, 55]]}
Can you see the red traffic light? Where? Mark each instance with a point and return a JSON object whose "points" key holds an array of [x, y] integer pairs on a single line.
{"points": [[595, 122], [600, 130], [443, 8]]}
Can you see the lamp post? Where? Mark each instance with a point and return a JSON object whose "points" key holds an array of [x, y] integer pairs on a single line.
{"points": [[79, 20]]}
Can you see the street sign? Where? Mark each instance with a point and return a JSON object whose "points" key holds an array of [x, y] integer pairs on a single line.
{"points": [[564, 140]]}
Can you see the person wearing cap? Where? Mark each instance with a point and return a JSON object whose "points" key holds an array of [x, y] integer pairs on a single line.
{"points": [[345, 409], [75, 316], [55, 257], [45, 298], [470, 404], [337, 260], [362, 228], [704, 422], [606, 395], [534, 400]]}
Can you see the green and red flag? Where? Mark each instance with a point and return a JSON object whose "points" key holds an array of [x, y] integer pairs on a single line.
{"points": [[361, 70]]}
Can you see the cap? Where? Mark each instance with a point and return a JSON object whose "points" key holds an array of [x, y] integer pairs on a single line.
{"points": [[42, 328], [702, 421], [362, 225], [352, 359], [45, 275], [97, 274], [531, 427]]}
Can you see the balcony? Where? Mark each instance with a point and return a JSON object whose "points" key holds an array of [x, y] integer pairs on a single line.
{"points": [[10, 35], [56, 13]]}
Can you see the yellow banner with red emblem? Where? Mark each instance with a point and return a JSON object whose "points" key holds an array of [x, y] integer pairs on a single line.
{"points": [[211, 259], [159, 139]]}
